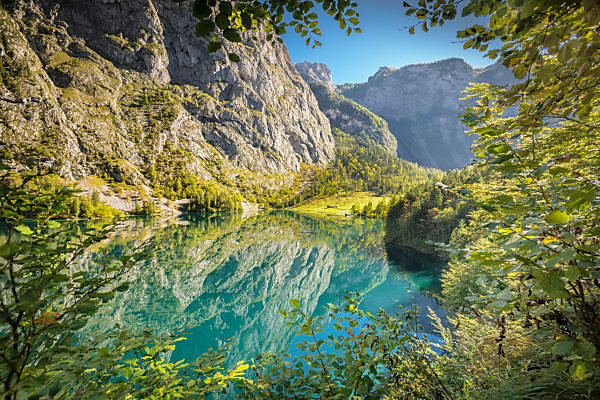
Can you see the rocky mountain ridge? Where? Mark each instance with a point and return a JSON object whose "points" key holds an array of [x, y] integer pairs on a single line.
{"points": [[421, 103], [117, 87], [345, 114], [315, 73]]}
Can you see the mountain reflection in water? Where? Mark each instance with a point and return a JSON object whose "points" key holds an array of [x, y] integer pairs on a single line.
{"points": [[227, 277]]}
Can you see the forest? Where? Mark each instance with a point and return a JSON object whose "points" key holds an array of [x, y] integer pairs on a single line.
{"points": [[520, 227], [363, 165], [432, 211]]}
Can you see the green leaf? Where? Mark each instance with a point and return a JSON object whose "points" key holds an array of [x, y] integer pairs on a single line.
{"points": [[123, 288], [498, 149], [53, 225], [295, 303], [578, 370], [552, 285], [24, 230], [225, 7], [201, 9], [567, 255], [557, 217], [214, 46], [246, 20], [234, 57], [586, 349], [232, 35], [222, 20], [9, 249], [204, 28], [562, 348], [561, 366], [573, 273], [497, 304], [104, 351]]}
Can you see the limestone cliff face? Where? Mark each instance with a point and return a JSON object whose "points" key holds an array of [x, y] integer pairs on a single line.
{"points": [[343, 113], [421, 104], [315, 73], [113, 86]]}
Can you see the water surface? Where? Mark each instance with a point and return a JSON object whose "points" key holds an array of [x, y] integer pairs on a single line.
{"points": [[228, 277]]}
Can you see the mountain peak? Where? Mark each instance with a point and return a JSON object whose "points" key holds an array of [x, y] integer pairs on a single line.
{"points": [[384, 71], [421, 103], [315, 72]]}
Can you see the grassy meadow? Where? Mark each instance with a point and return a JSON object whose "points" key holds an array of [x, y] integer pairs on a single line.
{"points": [[344, 203]]}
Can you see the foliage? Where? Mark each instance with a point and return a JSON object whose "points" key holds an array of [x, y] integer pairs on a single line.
{"points": [[48, 196], [537, 270], [47, 296], [145, 207], [352, 354], [168, 175], [526, 296], [224, 21], [362, 165], [430, 211], [210, 198], [170, 178], [371, 211]]}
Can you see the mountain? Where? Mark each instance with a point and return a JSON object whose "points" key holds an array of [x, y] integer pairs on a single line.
{"points": [[343, 113], [421, 103], [118, 87], [315, 73]]}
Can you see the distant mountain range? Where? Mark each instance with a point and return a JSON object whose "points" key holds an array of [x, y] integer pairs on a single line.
{"points": [[419, 103]]}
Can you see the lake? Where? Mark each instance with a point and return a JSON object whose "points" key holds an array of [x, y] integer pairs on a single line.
{"points": [[227, 277]]}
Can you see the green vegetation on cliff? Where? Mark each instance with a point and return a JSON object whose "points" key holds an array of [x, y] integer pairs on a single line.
{"points": [[64, 201], [352, 118]]}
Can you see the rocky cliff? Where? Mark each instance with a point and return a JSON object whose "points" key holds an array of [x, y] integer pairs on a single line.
{"points": [[315, 73], [116, 86], [421, 104], [343, 113]]}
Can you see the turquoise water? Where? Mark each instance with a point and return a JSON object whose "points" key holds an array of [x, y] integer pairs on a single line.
{"points": [[226, 277]]}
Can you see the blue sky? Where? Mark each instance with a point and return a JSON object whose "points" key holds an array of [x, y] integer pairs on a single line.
{"points": [[382, 43]]}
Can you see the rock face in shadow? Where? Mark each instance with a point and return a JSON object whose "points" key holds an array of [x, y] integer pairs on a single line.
{"points": [[343, 113], [421, 104], [113, 86]]}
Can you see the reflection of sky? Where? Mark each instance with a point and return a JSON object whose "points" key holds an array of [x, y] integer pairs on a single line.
{"points": [[383, 42]]}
